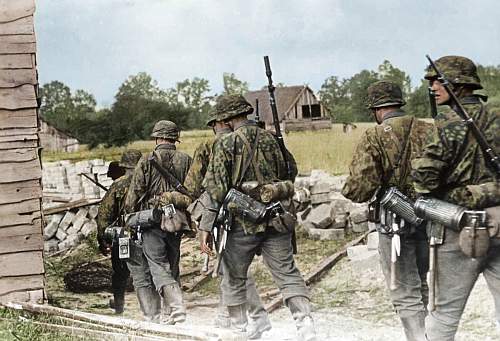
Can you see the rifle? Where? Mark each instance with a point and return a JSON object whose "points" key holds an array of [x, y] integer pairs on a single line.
{"points": [[490, 154], [221, 227], [257, 114], [274, 110], [179, 187], [94, 181]]}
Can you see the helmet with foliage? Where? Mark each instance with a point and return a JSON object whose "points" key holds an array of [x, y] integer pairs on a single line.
{"points": [[228, 106], [384, 94], [166, 130], [212, 117], [130, 158], [457, 69]]}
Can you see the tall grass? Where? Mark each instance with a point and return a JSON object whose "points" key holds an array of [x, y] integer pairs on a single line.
{"points": [[330, 150]]}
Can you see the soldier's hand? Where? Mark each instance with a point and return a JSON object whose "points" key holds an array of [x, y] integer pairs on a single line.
{"points": [[205, 242]]}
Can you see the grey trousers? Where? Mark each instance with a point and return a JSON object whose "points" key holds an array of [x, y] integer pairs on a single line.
{"points": [[412, 293], [162, 252], [138, 266], [455, 278], [277, 253]]}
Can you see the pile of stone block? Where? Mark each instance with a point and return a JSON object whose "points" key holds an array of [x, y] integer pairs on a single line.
{"points": [[66, 230], [64, 180], [326, 214]]}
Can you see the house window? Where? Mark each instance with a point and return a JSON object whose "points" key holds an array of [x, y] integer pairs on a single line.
{"points": [[311, 111]]}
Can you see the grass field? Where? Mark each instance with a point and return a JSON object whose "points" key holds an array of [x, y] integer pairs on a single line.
{"points": [[330, 150]]}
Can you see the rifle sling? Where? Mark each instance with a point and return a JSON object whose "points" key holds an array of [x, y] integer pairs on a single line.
{"points": [[168, 176]]}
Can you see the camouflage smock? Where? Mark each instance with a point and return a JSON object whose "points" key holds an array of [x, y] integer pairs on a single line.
{"points": [[147, 179], [453, 161], [198, 169], [378, 151], [229, 155], [112, 204]]}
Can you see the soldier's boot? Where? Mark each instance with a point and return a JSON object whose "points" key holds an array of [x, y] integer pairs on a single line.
{"points": [[300, 307], [117, 302], [259, 319], [414, 326], [172, 296], [239, 322], [222, 320], [150, 303]]}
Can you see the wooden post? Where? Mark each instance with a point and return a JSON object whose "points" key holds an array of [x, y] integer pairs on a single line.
{"points": [[21, 241]]}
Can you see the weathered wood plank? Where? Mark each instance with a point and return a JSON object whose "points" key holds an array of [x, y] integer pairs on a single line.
{"points": [[26, 206], [17, 48], [19, 230], [24, 118], [20, 191], [20, 172], [14, 219], [17, 133], [18, 98], [21, 264], [20, 26], [27, 242], [12, 284], [18, 38], [18, 144], [18, 155], [13, 10], [16, 61], [9, 137], [70, 205], [16, 77]]}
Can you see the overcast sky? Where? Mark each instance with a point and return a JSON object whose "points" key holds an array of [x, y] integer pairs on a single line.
{"points": [[96, 44]]}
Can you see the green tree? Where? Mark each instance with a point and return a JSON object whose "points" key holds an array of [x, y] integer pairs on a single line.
{"points": [[233, 85], [417, 103], [387, 71], [193, 96]]}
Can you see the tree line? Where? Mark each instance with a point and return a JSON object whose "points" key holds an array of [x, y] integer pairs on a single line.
{"points": [[140, 102]]}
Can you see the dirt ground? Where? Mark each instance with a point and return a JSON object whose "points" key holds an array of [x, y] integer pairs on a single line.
{"points": [[349, 303]]}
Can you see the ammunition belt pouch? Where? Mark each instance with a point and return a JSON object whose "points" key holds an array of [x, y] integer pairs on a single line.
{"points": [[174, 220], [179, 200]]}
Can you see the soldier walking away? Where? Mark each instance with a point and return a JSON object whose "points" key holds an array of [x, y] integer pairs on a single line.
{"points": [[457, 170], [111, 214], [382, 162], [259, 319], [250, 155], [157, 266]]}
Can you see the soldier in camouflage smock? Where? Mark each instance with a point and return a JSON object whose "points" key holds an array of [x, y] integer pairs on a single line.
{"points": [[453, 168], [161, 249], [110, 214], [258, 315], [245, 238], [382, 160]]}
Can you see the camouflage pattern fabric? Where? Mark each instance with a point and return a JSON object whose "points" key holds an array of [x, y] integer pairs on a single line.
{"points": [[149, 182], [166, 129], [198, 168], [228, 106], [229, 155], [130, 158], [112, 205], [457, 69], [377, 153], [453, 160], [383, 94]]}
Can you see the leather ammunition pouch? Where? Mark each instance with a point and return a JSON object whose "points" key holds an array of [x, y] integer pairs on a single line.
{"points": [[198, 207]]}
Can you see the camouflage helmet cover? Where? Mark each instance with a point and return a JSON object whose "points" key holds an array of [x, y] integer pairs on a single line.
{"points": [[457, 69], [384, 94], [166, 129], [212, 117], [228, 106], [130, 158]]}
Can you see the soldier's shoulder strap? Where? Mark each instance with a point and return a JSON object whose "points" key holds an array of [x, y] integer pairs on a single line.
{"points": [[251, 158]]}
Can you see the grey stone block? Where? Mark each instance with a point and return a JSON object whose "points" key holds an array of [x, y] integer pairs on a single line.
{"points": [[61, 235], [358, 213], [81, 214], [66, 221], [326, 234], [357, 251], [71, 241], [93, 211], [51, 246], [372, 242], [340, 206], [360, 227], [340, 221], [320, 198], [89, 227], [50, 230], [77, 226], [321, 216]]}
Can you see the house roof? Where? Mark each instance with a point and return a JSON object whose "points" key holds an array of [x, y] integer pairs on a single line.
{"points": [[285, 98]]}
